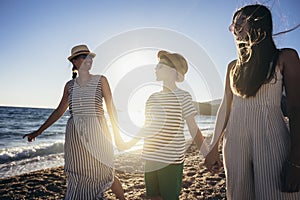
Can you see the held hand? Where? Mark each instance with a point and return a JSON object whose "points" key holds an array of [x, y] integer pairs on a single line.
{"points": [[122, 145], [213, 162], [131, 143], [31, 136], [290, 178]]}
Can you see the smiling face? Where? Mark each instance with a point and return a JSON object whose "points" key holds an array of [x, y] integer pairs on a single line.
{"points": [[83, 62]]}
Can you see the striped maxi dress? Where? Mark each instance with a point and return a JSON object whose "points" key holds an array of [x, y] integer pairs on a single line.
{"points": [[256, 144], [88, 146]]}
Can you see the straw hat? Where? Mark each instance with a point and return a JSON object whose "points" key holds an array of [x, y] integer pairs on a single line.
{"points": [[176, 61], [79, 50]]}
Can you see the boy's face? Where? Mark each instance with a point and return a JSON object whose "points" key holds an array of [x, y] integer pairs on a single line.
{"points": [[163, 72]]}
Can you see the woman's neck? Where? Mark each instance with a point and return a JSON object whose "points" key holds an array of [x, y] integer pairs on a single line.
{"points": [[84, 75]]}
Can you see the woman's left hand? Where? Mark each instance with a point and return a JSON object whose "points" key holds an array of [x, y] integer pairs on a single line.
{"points": [[290, 178], [213, 162], [31, 136]]}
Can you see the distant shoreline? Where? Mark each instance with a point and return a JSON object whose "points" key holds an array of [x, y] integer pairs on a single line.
{"points": [[203, 108], [208, 108], [6, 106]]}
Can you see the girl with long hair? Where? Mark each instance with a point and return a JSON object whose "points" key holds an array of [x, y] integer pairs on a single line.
{"points": [[261, 153]]}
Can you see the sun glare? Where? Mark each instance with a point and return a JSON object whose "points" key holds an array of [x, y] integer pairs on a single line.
{"points": [[132, 80]]}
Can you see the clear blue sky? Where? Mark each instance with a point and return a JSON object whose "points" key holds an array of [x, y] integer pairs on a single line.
{"points": [[36, 36]]}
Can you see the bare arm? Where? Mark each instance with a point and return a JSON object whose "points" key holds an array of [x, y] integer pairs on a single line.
{"points": [[121, 144], [213, 158], [194, 131], [225, 108], [56, 114], [111, 109], [291, 72], [289, 59]]}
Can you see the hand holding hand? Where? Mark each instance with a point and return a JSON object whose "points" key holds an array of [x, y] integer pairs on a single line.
{"points": [[213, 162], [31, 136]]}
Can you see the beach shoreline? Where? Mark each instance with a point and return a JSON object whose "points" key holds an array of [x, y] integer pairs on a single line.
{"points": [[197, 183]]}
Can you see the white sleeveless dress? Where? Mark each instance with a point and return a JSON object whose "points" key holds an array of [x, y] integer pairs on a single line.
{"points": [[256, 144], [88, 146]]}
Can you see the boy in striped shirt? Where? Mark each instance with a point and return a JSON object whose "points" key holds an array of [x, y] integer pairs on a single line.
{"points": [[163, 132]]}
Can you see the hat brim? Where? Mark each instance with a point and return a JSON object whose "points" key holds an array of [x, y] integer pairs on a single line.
{"points": [[81, 53]]}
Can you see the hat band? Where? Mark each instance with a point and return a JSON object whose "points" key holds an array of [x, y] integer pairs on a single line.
{"points": [[82, 51]]}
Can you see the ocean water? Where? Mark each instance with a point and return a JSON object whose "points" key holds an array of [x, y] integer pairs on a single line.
{"points": [[17, 156]]}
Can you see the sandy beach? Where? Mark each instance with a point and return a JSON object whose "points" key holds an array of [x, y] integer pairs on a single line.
{"points": [[198, 183]]}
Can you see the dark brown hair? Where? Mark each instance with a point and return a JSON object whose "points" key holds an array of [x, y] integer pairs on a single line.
{"points": [[74, 72], [256, 53], [74, 68]]}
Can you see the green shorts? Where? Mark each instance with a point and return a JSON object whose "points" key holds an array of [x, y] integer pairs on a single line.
{"points": [[165, 182]]}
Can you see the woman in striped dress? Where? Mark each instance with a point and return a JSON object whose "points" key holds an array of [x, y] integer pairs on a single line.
{"points": [[89, 155], [261, 156]]}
